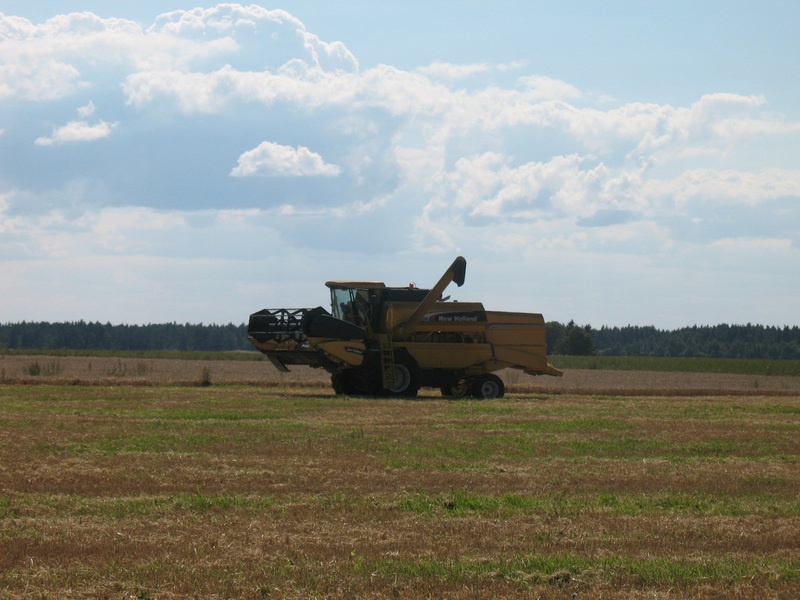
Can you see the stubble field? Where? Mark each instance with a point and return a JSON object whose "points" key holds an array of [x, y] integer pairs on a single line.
{"points": [[131, 483]]}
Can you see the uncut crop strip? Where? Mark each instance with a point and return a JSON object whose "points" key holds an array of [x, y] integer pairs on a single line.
{"points": [[246, 492]]}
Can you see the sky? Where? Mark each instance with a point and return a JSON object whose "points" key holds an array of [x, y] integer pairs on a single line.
{"points": [[610, 163]]}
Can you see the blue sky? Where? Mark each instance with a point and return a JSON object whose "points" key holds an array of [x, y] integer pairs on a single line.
{"points": [[607, 162]]}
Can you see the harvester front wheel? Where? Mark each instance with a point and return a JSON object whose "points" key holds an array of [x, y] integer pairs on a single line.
{"points": [[488, 386], [341, 384], [361, 381]]}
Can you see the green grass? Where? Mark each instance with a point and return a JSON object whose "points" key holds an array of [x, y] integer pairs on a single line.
{"points": [[550, 426], [557, 570], [460, 504]]}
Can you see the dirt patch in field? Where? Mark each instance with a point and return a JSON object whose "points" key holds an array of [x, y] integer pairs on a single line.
{"points": [[156, 371]]}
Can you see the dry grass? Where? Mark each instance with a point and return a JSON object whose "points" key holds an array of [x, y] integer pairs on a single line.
{"points": [[252, 491], [80, 370]]}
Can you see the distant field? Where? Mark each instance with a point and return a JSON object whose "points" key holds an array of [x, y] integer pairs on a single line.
{"points": [[581, 374], [733, 366], [285, 490], [739, 366]]}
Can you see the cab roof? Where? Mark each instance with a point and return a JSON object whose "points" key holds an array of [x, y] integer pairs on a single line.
{"points": [[358, 285]]}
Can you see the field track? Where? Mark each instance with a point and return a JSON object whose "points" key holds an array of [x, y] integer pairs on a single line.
{"points": [[144, 483]]}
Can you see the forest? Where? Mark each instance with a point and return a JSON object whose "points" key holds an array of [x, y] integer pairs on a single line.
{"points": [[80, 335], [709, 341], [716, 341]]}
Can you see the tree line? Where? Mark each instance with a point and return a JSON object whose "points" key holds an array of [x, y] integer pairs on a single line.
{"points": [[717, 341], [80, 335], [710, 341]]}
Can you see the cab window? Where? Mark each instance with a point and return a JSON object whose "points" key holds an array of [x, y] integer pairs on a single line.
{"points": [[351, 305]]}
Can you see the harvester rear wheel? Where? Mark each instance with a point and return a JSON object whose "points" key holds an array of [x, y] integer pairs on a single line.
{"points": [[488, 386], [405, 380]]}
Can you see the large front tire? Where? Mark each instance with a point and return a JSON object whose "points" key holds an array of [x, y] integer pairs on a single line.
{"points": [[489, 386], [340, 384], [359, 381]]}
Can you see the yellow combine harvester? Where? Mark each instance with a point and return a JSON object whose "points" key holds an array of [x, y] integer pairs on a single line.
{"points": [[381, 340]]}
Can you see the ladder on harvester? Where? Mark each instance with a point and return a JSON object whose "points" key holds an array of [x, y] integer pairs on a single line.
{"points": [[387, 360]]}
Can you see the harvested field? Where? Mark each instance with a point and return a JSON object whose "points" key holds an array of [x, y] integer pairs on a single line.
{"points": [[137, 485], [158, 371]]}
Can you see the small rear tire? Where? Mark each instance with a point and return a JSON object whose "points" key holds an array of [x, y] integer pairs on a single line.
{"points": [[459, 390], [488, 386]]}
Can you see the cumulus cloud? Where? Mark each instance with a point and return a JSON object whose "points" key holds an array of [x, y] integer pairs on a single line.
{"points": [[76, 131], [546, 87], [728, 187], [54, 59], [244, 24], [45, 80], [270, 159], [86, 111], [45, 62]]}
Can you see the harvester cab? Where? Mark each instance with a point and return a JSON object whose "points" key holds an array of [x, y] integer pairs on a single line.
{"points": [[379, 340]]}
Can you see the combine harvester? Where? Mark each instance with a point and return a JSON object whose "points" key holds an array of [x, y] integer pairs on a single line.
{"points": [[380, 340]]}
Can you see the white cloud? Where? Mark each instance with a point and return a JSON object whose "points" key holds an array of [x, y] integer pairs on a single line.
{"points": [[194, 92], [44, 62], [86, 111], [451, 71], [728, 187], [272, 159], [542, 87], [45, 80], [237, 22], [741, 127], [76, 131], [55, 59]]}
